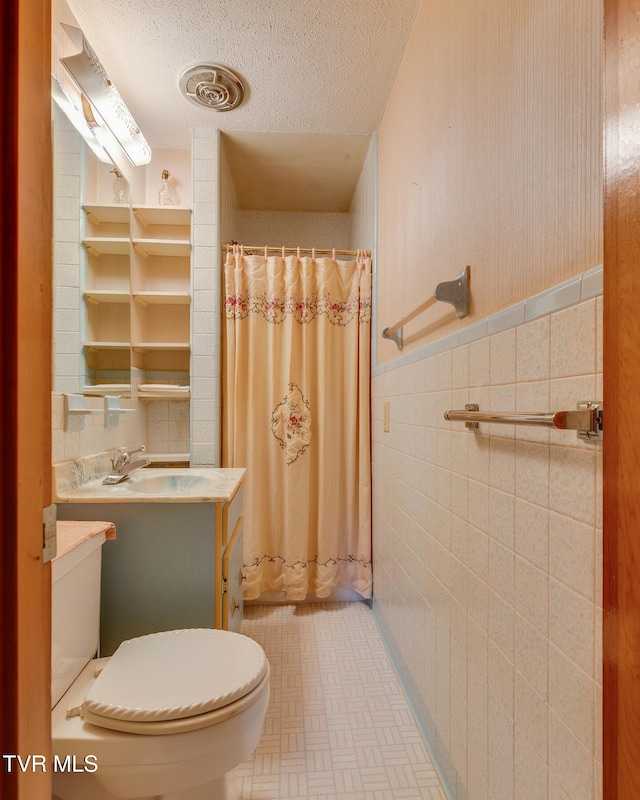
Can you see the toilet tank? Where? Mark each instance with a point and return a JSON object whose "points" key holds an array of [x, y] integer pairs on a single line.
{"points": [[75, 612]]}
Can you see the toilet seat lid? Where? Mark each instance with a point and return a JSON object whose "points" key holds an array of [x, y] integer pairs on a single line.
{"points": [[176, 674]]}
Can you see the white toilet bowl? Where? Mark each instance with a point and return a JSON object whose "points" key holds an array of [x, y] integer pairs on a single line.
{"points": [[167, 718]]}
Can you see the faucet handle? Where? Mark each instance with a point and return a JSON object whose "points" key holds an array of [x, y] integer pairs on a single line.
{"points": [[120, 460], [124, 458]]}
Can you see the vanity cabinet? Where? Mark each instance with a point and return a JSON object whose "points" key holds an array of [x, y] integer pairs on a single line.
{"points": [[232, 564], [172, 565]]}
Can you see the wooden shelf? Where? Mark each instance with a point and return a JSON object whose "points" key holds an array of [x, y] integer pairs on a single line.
{"points": [[106, 345], [183, 394], [162, 247], [99, 246], [162, 298], [99, 390], [97, 213], [172, 397], [145, 347], [162, 215], [97, 296]]}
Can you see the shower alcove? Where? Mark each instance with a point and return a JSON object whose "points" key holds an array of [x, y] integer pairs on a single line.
{"points": [[296, 190], [288, 191]]}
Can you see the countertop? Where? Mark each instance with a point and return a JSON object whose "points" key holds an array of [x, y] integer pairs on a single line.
{"points": [[158, 485], [71, 533]]}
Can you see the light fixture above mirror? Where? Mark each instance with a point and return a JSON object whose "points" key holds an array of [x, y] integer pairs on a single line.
{"points": [[77, 119], [98, 103]]}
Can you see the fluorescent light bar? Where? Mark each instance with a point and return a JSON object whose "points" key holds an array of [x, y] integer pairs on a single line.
{"points": [[77, 119], [102, 105]]}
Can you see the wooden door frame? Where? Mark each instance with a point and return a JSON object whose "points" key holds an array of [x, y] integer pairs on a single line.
{"points": [[25, 401], [621, 472], [25, 303]]}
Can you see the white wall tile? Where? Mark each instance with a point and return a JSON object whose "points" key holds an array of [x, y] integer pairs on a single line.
{"points": [[532, 655], [503, 357], [532, 594], [571, 696], [570, 762], [571, 625], [573, 340], [573, 482], [530, 771], [533, 352], [532, 718], [524, 539], [572, 554]]}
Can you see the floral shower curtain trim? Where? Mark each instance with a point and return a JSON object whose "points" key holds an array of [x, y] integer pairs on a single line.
{"points": [[276, 310]]}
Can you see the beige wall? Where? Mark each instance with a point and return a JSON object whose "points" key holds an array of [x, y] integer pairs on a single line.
{"points": [[489, 155], [294, 228], [362, 214]]}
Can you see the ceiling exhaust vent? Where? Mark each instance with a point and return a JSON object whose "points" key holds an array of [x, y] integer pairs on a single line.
{"points": [[212, 86]]}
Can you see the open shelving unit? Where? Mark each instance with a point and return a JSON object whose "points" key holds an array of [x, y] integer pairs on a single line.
{"points": [[161, 291], [106, 314], [136, 290]]}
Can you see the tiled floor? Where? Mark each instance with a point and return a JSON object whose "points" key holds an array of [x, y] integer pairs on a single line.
{"points": [[338, 725]]}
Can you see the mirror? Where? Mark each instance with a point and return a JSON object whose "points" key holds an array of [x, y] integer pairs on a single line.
{"points": [[91, 309]]}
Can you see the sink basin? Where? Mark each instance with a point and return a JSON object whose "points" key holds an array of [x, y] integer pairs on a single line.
{"points": [[171, 484], [81, 481]]}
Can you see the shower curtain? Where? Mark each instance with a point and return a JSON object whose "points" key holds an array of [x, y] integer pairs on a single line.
{"points": [[295, 414]]}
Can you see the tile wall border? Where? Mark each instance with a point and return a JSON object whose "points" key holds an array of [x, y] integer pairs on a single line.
{"points": [[575, 290]]}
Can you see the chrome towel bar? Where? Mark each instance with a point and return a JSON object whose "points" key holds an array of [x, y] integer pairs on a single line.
{"points": [[586, 419], [455, 292]]}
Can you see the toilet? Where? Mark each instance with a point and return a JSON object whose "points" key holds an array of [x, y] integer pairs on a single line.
{"points": [[166, 717]]}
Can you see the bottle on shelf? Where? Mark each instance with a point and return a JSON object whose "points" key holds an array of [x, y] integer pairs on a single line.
{"points": [[120, 187], [165, 195]]}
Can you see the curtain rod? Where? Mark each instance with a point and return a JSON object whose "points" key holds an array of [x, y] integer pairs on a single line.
{"points": [[227, 248]]}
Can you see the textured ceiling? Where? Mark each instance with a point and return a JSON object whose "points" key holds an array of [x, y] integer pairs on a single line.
{"points": [[311, 66]]}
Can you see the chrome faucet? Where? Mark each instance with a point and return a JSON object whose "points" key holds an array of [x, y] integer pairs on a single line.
{"points": [[123, 465]]}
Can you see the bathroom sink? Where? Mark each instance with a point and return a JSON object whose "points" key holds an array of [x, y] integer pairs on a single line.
{"points": [[81, 481], [172, 484]]}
